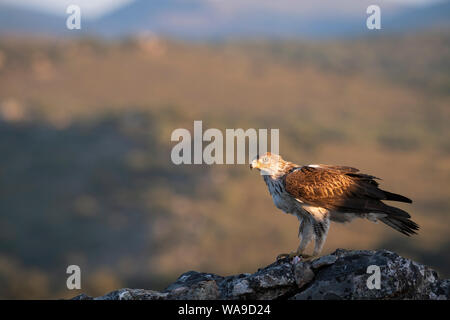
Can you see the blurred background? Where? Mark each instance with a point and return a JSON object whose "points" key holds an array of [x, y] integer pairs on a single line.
{"points": [[86, 117]]}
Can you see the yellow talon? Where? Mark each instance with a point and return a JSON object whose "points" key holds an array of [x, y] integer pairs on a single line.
{"points": [[283, 256], [293, 254]]}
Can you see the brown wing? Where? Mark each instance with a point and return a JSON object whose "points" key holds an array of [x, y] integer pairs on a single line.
{"points": [[342, 189]]}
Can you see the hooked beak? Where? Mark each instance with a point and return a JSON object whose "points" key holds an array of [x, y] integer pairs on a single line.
{"points": [[254, 164]]}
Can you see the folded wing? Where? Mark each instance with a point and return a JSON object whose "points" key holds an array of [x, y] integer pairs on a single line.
{"points": [[344, 189]]}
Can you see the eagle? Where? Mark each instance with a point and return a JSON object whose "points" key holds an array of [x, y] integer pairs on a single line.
{"points": [[317, 194]]}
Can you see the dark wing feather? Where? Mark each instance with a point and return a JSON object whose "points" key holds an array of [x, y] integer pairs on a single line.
{"points": [[346, 191]]}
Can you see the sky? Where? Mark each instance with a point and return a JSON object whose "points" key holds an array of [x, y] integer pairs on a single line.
{"points": [[96, 8], [90, 8]]}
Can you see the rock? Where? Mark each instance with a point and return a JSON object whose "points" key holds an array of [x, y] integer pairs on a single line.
{"points": [[441, 290], [133, 294], [323, 261], [343, 274], [273, 282], [82, 297], [202, 290], [347, 278], [303, 274]]}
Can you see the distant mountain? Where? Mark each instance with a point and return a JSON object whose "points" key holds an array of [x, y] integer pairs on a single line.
{"points": [[21, 20], [199, 19], [141, 16], [434, 16]]}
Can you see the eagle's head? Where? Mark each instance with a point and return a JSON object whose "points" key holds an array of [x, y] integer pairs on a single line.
{"points": [[269, 164]]}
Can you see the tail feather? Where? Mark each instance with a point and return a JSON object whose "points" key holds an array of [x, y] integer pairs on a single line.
{"points": [[401, 224], [399, 220], [396, 197], [393, 211]]}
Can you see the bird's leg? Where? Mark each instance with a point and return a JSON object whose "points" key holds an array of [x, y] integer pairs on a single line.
{"points": [[305, 231], [320, 234]]}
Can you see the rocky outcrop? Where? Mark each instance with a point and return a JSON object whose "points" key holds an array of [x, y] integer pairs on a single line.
{"points": [[343, 274]]}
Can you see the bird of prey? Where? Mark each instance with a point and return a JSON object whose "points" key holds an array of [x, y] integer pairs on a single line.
{"points": [[319, 193]]}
